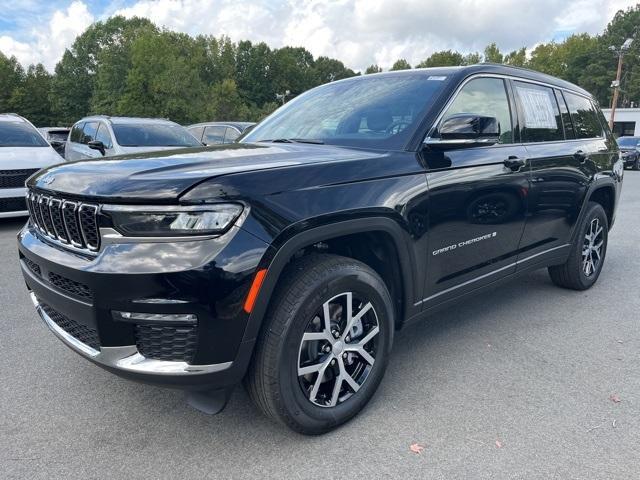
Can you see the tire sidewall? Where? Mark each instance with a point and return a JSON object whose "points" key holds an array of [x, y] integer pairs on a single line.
{"points": [[594, 211], [364, 285]]}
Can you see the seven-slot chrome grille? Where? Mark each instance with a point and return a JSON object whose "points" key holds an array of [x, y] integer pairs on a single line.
{"points": [[68, 222]]}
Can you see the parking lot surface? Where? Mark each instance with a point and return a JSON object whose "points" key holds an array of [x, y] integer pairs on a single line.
{"points": [[528, 381]]}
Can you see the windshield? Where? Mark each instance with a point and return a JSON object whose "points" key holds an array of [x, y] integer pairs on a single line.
{"points": [[149, 135], [377, 111], [59, 136], [20, 134], [628, 141]]}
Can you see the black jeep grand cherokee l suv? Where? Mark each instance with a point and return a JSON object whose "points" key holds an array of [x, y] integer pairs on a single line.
{"points": [[289, 259]]}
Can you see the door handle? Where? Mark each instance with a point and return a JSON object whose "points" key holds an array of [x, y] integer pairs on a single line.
{"points": [[580, 156], [514, 163]]}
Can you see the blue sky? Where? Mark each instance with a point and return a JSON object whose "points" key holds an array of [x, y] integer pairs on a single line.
{"points": [[358, 32]]}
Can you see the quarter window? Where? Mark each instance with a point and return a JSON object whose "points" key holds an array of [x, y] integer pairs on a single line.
{"points": [[541, 120], [487, 97], [213, 135], [231, 135], [196, 132], [584, 116]]}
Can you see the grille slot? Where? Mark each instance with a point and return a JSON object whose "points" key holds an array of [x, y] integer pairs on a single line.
{"points": [[87, 335], [70, 286], [172, 343], [65, 221], [12, 204], [33, 266], [15, 178]]}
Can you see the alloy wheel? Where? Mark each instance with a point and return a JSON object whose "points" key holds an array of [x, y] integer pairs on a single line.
{"points": [[592, 249], [338, 350]]}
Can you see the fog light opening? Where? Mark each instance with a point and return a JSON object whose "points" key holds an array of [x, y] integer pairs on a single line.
{"points": [[157, 318]]}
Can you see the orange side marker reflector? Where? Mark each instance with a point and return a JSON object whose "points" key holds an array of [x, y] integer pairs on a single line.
{"points": [[255, 289]]}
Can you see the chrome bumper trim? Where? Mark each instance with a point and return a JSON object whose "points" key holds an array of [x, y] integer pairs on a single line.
{"points": [[126, 358]]}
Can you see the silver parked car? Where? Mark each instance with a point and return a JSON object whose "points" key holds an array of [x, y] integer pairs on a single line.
{"points": [[103, 136], [213, 133], [23, 151]]}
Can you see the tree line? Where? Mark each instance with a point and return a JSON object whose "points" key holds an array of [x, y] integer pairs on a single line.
{"points": [[131, 67]]}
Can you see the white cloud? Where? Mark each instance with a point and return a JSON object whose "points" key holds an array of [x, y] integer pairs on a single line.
{"points": [[358, 32]]}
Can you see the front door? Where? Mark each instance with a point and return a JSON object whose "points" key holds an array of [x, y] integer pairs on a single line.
{"points": [[477, 199]]}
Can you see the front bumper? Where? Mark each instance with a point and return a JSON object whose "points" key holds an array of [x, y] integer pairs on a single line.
{"points": [[629, 159], [201, 277], [12, 202]]}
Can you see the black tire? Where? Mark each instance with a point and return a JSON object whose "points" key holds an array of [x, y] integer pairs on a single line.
{"points": [[273, 380], [574, 273]]}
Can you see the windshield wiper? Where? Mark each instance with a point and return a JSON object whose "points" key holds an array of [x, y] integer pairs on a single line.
{"points": [[295, 140]]}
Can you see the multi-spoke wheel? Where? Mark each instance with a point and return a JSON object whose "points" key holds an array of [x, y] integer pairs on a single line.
{"points": [[338, 350], [325, 343], [583, 266]]}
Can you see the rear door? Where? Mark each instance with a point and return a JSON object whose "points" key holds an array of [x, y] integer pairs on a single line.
{"points": [[74, 143], [477, 204], [561, 168]]}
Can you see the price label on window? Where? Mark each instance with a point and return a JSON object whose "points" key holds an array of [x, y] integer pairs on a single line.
{"points": [[538, 109]]}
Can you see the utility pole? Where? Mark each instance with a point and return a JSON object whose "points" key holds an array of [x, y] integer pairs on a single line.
{"points": [[283, 96], [616, 83]]}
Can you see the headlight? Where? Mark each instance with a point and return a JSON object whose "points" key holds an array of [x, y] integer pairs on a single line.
{"points": [[160, 221]]}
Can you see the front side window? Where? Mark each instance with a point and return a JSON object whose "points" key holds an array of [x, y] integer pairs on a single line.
{"points": [[89, 132], [152, 135], [196, 132], [20, 134], [584, 116], [213, 135], [102, 135], [485, 97], [374, 111], [231, 135], [541, 120], [76, 133]]}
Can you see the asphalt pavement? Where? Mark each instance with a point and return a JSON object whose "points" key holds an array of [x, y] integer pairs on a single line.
{"points": [[529, 381]]}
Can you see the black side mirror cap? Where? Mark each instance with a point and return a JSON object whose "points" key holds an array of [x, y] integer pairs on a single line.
{"points": [[97, 145], [467, 129]]}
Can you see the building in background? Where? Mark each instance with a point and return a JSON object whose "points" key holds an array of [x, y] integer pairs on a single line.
{"points": [[626, 121]]}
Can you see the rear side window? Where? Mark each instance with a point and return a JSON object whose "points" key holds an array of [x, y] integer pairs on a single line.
{"points": [[76, 133], [487, 97], [584, 116], [196, 132], [89, 132], [541, 120]]}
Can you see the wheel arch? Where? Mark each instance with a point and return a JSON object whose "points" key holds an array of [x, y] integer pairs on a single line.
{"points": [[603, 193], [287, 251]]}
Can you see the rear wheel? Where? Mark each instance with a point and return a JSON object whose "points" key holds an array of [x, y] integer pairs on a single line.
{"points": [[324, 346], [582, 268]]}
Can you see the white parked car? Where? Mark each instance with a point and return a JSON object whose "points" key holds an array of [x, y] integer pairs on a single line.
{"points": [[23, 151], [103, 136]]}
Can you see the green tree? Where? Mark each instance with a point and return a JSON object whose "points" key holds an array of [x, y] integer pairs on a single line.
{"points": [[11, 76], [226, 103], [444, 58], [329, 69], [472, 58], [517, 58], [401, 64], [73, 84], [372, 69], [492, 54], [253, 73], [31, 97]]}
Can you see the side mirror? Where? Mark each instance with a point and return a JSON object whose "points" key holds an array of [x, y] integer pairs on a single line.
{"points": [[56, 143], [467, 129], [97, 145]]}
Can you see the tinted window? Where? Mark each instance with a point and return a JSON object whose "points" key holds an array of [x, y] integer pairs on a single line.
{"points": [[20, 134], [487, 97], [541, 120], [76, 133], [150, 135], [231, 135], [213, 135], [196, 132], [89, 132], [569, 132], [584, 116], [103, 136], [377, 111]]}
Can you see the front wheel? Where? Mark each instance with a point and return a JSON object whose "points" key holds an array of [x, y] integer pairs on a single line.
{"points": [[583, 267], [324, 346]]}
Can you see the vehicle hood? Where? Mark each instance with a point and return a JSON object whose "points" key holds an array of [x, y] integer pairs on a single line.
{"points": [[19, 158], [163, 176], [134, 150]]}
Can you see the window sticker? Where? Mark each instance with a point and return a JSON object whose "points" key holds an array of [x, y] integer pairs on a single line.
{"points": [[538, 109]]}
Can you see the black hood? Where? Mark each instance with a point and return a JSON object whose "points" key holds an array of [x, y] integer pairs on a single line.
{"points": [[164, 176]]}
